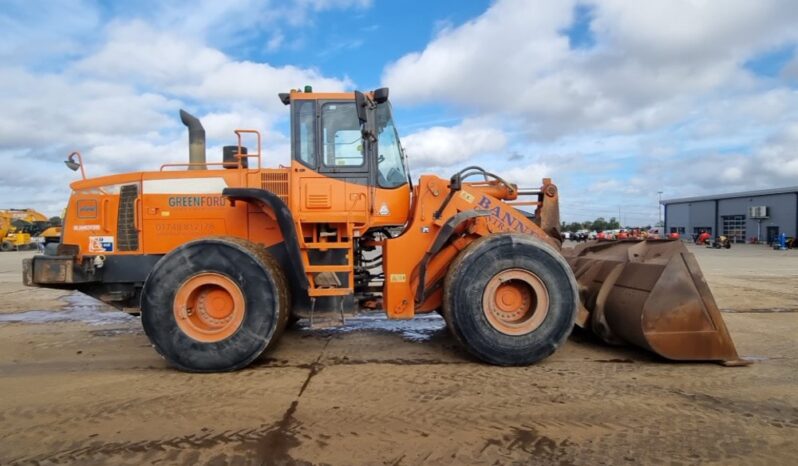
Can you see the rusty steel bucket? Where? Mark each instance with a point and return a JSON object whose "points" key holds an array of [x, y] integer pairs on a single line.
{"points": [[651, 294]]}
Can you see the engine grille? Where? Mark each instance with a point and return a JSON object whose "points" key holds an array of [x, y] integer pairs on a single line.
{"points": [[277, 183], [127, 237]]}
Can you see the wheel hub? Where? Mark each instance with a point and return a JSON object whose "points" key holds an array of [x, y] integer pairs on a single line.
{"points": [[515, 301], [209, 307]]}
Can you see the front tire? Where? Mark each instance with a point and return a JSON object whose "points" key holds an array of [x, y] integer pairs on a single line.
{"points": [[510, 299], [214, 304]]}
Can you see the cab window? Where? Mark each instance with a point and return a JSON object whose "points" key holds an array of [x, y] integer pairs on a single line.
{"points": [[306, 137], [341, 137], [390, 159]]}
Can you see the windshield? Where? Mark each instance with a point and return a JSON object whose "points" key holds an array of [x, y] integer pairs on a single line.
{"points": [[390, 159]]}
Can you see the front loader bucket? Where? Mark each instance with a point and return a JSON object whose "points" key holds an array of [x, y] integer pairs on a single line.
{"points": [[651, 294]]}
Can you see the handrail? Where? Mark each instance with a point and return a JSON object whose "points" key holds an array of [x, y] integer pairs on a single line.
{"points": [[223, 164], [239, 155], [190, 164]]}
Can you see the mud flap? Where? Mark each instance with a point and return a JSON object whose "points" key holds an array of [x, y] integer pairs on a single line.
{"points": [[651, 294]]}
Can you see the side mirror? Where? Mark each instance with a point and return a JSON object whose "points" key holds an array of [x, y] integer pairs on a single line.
{"points": [[72, 165], [381, 95], [360, 105]]}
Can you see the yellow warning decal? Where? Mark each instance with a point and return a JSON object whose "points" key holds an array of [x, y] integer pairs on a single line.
{"points": [[398, 278], [468, 197]]}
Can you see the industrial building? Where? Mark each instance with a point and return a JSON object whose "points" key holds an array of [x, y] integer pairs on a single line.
{"points": [[762, 214]]}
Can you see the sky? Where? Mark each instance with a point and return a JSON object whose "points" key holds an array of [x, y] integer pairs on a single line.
{"points": [[615, 100]]}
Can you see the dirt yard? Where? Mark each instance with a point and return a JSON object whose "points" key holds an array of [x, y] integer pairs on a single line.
{"points": [[79, 383]]}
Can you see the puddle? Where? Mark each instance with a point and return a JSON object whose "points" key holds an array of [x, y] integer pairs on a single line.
{"points": [[79, 308], [82, 308], [419, 328], [755, 358]]}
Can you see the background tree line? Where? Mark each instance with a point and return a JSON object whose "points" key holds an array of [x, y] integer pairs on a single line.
{"points": [[599, 224]]}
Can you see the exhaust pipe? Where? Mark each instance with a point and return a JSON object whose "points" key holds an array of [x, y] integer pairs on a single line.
{"points": [[196, 140]]}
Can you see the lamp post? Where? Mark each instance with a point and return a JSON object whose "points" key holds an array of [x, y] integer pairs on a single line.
{"points": [[659, 206]]}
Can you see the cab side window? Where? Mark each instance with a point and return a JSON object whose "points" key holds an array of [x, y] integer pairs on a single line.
{"points": [[341, 138], [306, 117]]}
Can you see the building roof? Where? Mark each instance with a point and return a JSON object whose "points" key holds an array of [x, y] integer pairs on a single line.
{"points": [[713, 197]]}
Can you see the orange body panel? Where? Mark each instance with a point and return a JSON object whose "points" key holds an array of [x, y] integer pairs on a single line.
{"points": [[404, 254], [180, 206]]}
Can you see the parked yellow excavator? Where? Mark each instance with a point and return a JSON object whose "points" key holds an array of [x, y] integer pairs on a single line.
{"points": [[25, 228]]}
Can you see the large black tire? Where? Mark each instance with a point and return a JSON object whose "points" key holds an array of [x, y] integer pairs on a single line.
{"points": [[252, 270], [6, 246], [483, 261]]}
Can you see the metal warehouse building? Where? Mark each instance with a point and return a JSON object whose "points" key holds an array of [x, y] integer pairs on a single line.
{"points": [[740, 216]]}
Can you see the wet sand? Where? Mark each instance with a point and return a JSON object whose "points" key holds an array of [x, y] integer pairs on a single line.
{"points": [[81, 384]]}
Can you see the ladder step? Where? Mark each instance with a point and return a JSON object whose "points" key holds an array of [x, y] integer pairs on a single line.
{"points": [[316, 292], [328, 268], [328, 245]]}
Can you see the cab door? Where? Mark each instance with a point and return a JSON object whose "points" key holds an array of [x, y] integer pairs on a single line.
{"points": [[337, 185]]}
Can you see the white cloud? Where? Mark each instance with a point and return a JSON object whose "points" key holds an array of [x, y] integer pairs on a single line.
{"points": [[259, 83], [117, 103], [138, 52], [54, 109], [772, 163], [686, 31], [662, 99], [651, 61], [192, 70], [441, 146], [484, 59], [47, 31], [530, 175]]}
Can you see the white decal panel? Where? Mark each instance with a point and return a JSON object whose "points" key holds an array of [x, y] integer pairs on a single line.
{"points": [[184, 186]]}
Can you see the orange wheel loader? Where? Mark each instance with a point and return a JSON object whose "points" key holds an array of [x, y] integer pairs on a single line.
{"points": [[218, 257]]}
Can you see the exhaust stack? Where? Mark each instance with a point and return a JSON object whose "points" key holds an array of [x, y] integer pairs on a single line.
{"points": [[196, 140]]}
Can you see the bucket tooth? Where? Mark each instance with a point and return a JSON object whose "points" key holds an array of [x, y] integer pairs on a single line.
{"points": [[651, 294]]}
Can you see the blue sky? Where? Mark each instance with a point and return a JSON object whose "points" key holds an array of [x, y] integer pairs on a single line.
{"points": [[615, 100]]}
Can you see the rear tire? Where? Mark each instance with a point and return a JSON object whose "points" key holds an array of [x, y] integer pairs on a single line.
{"points": [[510, 299], [6, 246], [214, 304]]}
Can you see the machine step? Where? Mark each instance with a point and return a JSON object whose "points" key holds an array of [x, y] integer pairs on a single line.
{"points": [[328, 268], [329, 245], [318, 292]]}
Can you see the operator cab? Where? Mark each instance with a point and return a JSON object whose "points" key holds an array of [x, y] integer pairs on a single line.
{"points": [[349, 136], [350, 189]]}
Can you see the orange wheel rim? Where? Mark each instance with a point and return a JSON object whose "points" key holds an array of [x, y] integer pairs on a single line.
{"points": [[209, 307], [515, 302]]}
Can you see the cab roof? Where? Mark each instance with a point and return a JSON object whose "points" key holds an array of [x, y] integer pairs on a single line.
{"points": [[308, 94]]}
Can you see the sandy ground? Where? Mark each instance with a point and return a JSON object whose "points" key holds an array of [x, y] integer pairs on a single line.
{"points": [[82, 385]]}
